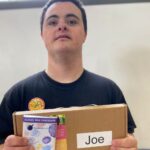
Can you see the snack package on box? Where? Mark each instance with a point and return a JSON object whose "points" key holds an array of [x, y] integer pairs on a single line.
{"points": [[61, 136], [41, 131]]}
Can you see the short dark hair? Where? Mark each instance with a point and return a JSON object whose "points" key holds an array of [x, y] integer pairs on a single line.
{"points": [[75, 2]]}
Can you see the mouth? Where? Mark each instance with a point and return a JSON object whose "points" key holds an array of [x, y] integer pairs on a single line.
{"points": [[62, 37]]}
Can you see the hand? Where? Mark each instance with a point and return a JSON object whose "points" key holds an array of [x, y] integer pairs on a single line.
{"points": [[127, 143], [13, 142]]}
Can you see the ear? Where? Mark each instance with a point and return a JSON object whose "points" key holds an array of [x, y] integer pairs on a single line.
{"points": [[42, 35], [85, 35]]}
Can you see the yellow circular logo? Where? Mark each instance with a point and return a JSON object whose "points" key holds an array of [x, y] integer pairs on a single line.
{"points": [[36, 104]]}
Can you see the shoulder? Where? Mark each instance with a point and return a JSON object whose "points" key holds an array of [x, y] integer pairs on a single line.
{"points": [[25, 83], [103, 84], [31, 79], [99, 79]]}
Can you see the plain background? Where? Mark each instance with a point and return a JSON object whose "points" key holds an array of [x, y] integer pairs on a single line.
{"points": [[117, 46]]}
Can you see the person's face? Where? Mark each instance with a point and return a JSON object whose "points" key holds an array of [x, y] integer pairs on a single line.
{"points": [[63, 29]]}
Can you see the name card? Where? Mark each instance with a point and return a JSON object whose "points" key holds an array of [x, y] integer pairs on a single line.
{"points": [[94, 139]]}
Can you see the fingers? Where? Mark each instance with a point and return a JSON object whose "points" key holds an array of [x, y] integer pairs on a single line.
{"points": [[13, 142], [129, 143], [118, 148], [19, 148]]}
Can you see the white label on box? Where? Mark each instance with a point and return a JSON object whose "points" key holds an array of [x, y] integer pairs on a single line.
{"points": [[94, 139]]}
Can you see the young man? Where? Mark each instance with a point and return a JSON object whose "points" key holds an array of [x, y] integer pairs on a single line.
{"points": [[65, 82]]}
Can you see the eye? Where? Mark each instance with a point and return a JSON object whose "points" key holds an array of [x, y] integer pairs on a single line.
{"points": [[52, 22], [72, 22]]}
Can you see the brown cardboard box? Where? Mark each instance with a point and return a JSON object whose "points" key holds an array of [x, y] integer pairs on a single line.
{"points": [[86, 124]]}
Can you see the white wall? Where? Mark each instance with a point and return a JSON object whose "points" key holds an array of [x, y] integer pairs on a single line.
{"points": [[117, 47], [22, 52]]}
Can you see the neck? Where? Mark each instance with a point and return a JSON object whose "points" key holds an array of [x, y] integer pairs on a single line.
{"points": [[66, 70]]}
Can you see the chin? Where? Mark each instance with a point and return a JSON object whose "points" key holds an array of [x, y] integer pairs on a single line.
{"points": [[63, 48]]}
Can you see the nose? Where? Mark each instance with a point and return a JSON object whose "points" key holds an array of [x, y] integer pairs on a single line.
{"points": [[62, 27]]}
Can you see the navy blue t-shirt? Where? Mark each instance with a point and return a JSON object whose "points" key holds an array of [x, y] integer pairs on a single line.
{"points": [[88, 89]]}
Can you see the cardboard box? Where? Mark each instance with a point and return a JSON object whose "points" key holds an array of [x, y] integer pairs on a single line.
{"points": [[88, 127]]}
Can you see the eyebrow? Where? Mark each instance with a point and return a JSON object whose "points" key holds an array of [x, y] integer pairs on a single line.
{"points": [[67, 16], [52, 16], [72, 15]]}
